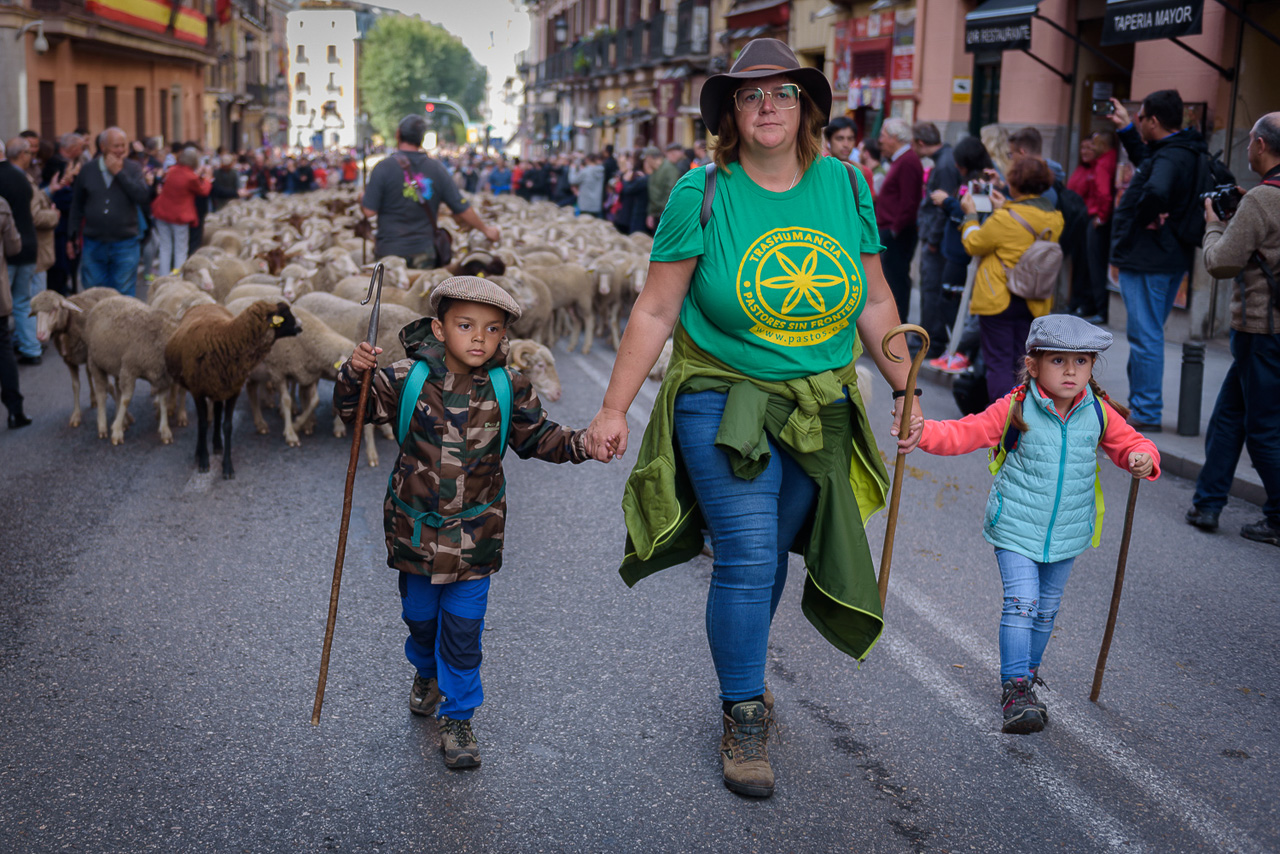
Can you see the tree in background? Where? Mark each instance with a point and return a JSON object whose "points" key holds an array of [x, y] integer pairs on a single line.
{"points": [[402, 58]]}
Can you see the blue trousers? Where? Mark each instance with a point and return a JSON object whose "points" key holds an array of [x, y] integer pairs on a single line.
{"points": [[112, 264], [445, 623], [1032, 594], [752, 524], [1247, 411], [23, 284], [1148, 299]]}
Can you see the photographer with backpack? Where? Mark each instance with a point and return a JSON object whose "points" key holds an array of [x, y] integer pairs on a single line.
{"points": [[1017, 273], [1155, 231], [1247, 248]]}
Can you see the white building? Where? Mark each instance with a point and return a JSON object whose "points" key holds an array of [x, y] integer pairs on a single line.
{"points": [[323, 107]]}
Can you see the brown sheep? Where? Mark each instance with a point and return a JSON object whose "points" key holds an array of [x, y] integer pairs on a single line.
{"points": [[211, 354]]}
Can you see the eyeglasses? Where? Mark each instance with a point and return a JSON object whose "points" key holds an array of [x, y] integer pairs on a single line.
{"points": [[785, 97]]}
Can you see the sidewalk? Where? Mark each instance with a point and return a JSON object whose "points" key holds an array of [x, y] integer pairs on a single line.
{"points": [[1180, 455]]}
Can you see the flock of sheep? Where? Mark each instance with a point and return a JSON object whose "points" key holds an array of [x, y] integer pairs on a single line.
{"points": [[271, 301]]}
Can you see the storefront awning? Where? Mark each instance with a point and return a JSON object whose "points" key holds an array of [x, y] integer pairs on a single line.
{"points": [[999, 25], [1127, 21], [754, 13]]}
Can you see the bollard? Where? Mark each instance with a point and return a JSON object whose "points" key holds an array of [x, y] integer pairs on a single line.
{"points": [[1190, 389]]}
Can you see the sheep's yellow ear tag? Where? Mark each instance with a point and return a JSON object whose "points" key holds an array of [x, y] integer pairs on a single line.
{"points": [[337, 365], [481, 275], [277, 320]]}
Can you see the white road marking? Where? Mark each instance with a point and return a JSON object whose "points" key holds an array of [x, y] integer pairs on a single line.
{"points": [[1072, 716], [1079, 807]]}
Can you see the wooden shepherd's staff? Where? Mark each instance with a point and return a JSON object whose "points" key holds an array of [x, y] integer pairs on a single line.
{"points": [[375, 293], [1115, 592], [904, 427]]}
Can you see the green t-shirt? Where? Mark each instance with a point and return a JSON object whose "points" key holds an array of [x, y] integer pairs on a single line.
{"points": [[779, 282]]}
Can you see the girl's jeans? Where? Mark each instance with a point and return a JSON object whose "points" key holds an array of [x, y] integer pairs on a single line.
{"points": [[1032, 594], [752, 523], [445, 623], [172, 240]]}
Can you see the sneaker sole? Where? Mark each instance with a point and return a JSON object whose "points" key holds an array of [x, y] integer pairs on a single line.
{"points": [[1025, 724], [425, 712], [1271, 541], [748, 790], [466, 760]]}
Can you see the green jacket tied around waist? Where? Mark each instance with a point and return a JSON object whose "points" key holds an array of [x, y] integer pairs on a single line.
{"points": [[827, 437]]}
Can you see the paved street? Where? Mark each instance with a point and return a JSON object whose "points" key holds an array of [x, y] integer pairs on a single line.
{"points": [[160, 634]]}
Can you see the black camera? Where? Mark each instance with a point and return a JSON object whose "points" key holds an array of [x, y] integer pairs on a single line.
{"points": [[1226, 198]]}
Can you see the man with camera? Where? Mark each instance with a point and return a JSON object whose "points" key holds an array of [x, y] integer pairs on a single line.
{"points": [[1146, 245], [1247, 248]]}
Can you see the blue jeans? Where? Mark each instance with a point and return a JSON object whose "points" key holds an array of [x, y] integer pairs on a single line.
{"points": [[1248, 410], [110, 264], [752, 524], [1148, 299], [1032, 594], [22, 283], [445, 623]]}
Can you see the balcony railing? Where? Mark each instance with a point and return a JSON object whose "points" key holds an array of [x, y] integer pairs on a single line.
{"points": [[657, 27]]}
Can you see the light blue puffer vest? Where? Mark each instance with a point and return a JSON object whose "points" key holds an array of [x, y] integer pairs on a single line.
{"points": [[1042, 502]]}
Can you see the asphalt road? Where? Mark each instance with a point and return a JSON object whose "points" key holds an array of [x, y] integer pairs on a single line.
{"points": [[160, 636]]}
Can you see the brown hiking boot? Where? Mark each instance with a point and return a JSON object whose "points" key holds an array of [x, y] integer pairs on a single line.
{"points": [[745, 752], [424, 696], [458, 743]]}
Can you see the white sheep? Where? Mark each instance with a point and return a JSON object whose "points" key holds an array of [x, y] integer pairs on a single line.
{"points": [[61, 320], [125, 339]]}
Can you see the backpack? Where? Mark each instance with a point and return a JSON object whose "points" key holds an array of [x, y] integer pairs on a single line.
{"points": [[709, 191], [408, 402], [1075, 216], [1035, 276], [1210, 172], [1009, 443]]}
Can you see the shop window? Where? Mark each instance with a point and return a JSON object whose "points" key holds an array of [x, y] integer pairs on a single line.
{"points": [[985, 109], [48, 112], [110, 106], [82, 106], [140, 112]]}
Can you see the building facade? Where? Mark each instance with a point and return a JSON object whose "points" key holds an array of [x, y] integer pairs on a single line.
{"points": [[323, 102], [154, 56]]}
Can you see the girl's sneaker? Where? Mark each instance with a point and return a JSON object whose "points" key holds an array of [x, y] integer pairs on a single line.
{"points": [[1020, 717], [424, 696], [1036, 702], [458, 743]]}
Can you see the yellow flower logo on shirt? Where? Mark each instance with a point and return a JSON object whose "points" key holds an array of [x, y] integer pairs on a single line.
{"points": [[798, 286]]}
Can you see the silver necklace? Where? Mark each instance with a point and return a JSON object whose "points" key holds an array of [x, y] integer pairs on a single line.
{"points": [[793, 179]]}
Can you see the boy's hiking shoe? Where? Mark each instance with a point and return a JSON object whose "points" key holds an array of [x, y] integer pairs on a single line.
{"points": [[744, 750], [768, 700], [458, 743], [424, 696], [1020, 717], [1262, 531]]}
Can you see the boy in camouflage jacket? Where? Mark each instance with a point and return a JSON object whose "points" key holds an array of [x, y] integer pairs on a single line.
{"points": [[450, 465]]}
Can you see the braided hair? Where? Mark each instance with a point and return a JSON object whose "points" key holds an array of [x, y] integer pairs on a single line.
{"points": [[1024, 385]]}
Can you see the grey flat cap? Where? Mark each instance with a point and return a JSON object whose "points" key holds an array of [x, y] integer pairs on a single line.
{"points": [[1066, 333], [474, 289]]}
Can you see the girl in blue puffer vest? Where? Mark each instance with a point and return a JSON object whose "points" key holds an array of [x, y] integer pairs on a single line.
{"points": [[1045, 506]]}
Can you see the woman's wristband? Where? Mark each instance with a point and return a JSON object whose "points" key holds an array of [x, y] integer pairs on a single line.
{"points": [[900, 393]]}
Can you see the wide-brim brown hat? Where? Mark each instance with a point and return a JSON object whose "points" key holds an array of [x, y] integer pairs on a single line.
{"points": [[474, 289], [761, 58]]}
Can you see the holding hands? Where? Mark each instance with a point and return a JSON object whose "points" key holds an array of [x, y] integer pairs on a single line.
{"points": [[607, 435]]}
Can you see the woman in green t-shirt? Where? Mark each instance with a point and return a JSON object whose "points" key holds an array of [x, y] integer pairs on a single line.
{"points": [[771, 293]]}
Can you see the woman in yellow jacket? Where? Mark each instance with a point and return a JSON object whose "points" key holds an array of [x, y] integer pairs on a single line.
{"points": [[1004, 319]]}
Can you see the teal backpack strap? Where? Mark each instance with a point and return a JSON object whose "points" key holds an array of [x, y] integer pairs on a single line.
{"points": [[506, 399], [409, 397]]}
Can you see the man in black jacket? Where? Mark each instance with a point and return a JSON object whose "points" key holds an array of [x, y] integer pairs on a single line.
{"points": [[937, 313], [108, 205], [1144, 245]]}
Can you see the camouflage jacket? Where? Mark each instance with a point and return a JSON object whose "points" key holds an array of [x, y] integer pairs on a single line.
{"points": [[450, 461]]}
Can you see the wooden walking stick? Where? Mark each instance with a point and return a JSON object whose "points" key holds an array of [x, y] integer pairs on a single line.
{"points": [[375, 293], [904, 427], [1115, 592]]}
